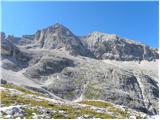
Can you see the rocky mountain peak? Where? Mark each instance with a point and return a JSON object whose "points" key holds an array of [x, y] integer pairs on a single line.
{"points": [[58, 25], [57, 28], [55, 33], [58, 36], [97, 35]]}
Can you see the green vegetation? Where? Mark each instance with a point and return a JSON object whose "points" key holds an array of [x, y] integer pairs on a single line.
{"points": [[26, 91], [123, 114], [28, 112], [117, 112], [8, 85], [69, 95], [8, 99], [58, 116], [71, 113], [95, 114], [5, 98], [92, 92], [97, 103]]}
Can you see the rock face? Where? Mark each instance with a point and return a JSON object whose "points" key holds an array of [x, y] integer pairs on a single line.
{"points": [[59, 37], [108, 46], [10, 51], [98, 66], [95, 80], [26, 39], [48, 65]]}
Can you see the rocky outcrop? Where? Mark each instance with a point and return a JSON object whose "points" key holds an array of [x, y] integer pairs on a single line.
{"points": [[25, 40], [108, 46], [48, 65], [11, 52], [2, 35]]}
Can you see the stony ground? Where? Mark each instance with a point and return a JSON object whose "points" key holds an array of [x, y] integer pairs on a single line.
{"points": [[17, 102]]}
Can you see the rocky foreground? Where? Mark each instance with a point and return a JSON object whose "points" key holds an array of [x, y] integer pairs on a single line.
{"points": [[17, 102]]}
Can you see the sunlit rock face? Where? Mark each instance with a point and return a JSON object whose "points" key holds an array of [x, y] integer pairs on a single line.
{"points": [[110, 46], [59, 37]]}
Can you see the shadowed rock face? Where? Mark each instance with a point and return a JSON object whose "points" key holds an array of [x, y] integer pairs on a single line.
{"points": [[26, 39], [2, 35], [8, 49], [48, 65], [73, 68], [108, 46], [11, 52]]}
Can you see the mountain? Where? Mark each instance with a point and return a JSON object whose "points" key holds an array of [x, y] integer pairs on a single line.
{"points": [[98, 67]]}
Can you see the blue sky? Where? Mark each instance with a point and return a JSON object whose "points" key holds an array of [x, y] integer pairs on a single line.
{"points": [[133, 20]]}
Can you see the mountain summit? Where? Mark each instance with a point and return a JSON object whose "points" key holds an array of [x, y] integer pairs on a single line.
{"points": [[59, 37]]}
